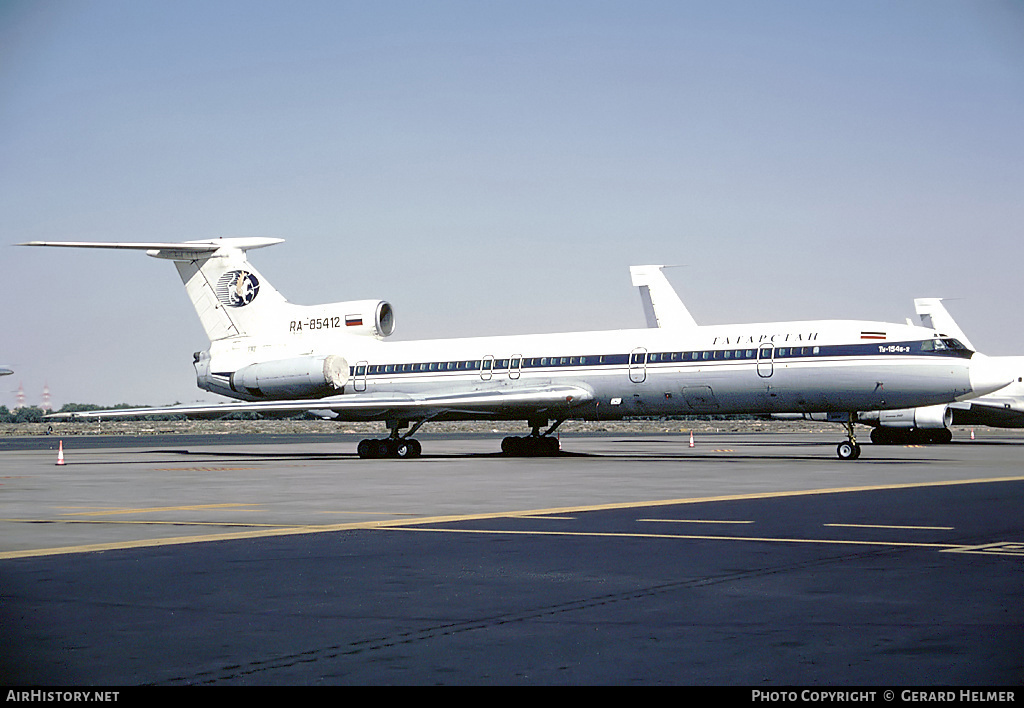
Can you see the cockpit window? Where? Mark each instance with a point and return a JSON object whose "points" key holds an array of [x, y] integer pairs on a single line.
{"points": [[953, 343]]}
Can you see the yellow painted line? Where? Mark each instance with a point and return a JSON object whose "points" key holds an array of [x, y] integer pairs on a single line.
{"points": [[201, 469], [297, 530], [993, 549], [370, 513], [545, 517], [695, 521], [193, 507], [884, 526]]}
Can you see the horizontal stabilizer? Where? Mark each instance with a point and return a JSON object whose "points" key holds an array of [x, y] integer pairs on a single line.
{"points": [[219, 280], [185, 250]]}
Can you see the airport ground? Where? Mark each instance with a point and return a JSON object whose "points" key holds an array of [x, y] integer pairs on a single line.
{"points": [[754, 558]]}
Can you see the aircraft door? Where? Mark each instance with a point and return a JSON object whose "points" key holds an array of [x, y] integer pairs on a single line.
{"points": [[765, 360], [515, 364], [359, 380], [487, 368], [638, 365]]}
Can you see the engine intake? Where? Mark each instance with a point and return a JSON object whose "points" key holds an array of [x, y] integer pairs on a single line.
{"points": [[369, 317]]}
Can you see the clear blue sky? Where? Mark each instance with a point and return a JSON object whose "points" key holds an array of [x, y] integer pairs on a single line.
{"points": [[496, 166]]}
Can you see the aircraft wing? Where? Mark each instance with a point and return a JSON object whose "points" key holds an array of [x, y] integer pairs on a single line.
{"points": [[371, 406]]}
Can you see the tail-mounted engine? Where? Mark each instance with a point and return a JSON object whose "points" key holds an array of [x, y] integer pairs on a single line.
{"points": [[299, 377], [370, 318]]}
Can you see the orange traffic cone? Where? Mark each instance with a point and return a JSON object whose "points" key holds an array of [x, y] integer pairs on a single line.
{"points": [[972, 433], [691, 438], [60, 453]]}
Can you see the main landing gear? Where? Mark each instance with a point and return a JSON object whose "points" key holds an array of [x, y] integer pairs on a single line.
{"points": [[398, 448], [849, 449], [536, 444], [394, 446]]}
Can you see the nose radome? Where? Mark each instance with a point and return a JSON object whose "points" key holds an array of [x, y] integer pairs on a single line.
{"points": [[988, 375]]}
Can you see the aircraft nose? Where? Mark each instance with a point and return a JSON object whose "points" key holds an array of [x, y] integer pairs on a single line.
{"points": [[987, 375]]}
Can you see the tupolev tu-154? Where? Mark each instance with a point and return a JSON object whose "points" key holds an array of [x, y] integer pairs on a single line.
{"points": [[276, 357], [931, 424]]}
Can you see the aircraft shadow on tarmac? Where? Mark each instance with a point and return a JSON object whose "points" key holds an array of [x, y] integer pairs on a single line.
{"points": [[725, 455]]}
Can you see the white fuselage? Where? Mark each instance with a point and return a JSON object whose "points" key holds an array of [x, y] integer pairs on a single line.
{"points": [[838, 366]]}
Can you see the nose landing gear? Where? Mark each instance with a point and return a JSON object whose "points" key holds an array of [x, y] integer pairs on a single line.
{"points": [[849, 449]]}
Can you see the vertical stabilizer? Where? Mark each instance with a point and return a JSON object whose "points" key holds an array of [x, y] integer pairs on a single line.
{"points": [[934, 315], [662, 306], [230, 296]]}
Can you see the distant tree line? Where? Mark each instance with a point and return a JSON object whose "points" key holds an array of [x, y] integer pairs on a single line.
{"points": [[33, 414]]}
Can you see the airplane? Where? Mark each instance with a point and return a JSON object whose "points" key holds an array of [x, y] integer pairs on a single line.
{"points": [[277, 357], [924, 424], [4, 371], [1001, 409]]}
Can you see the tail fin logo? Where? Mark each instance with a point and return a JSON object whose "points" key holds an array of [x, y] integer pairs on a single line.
{"points": [[237, 288]]}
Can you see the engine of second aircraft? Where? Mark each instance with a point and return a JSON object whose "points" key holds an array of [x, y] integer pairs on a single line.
{"points": [[927, 417], [298, 377]]}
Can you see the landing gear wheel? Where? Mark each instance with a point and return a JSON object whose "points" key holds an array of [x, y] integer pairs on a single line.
{"points": [[848, 450], [398, 448], [511, 445], [530, 446]]}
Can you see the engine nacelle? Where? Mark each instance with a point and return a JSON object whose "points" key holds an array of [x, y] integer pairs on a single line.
{"points": [[300, 377], [375, 318], [926, 417]]}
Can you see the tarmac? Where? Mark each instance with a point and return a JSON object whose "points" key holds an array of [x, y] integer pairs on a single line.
{"points": [[280, 558]]}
